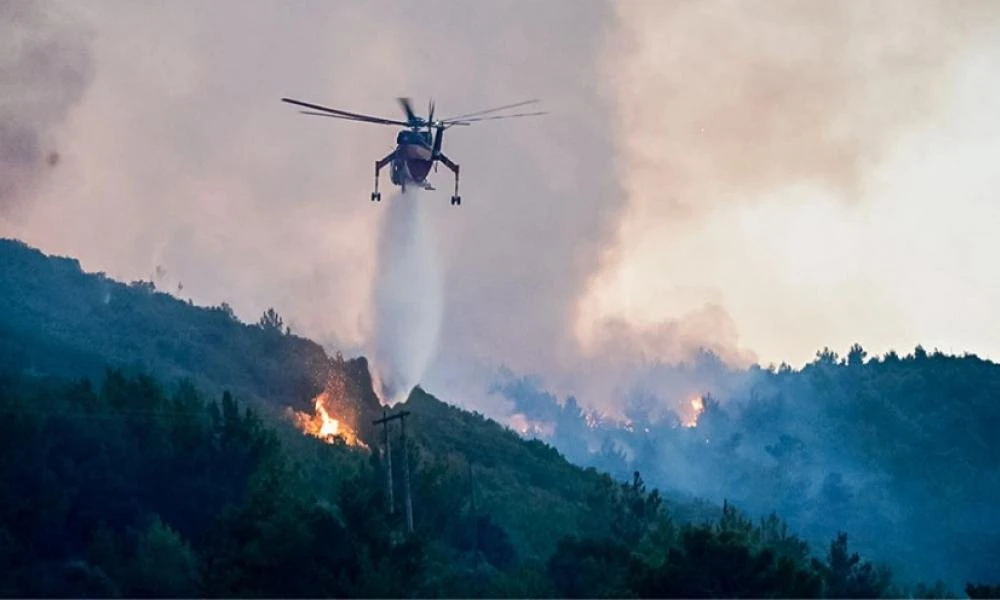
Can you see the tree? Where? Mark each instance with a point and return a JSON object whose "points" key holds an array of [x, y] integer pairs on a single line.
{"points": [[847, 576], [718, 562], [636, 511], [271, 321], [933, 592], [105, 553], [492, 541], [228, 311], [826, 356], [592, 568], [164, 566], [856, 355], [8, 552], [973, 590], [147, 287]]}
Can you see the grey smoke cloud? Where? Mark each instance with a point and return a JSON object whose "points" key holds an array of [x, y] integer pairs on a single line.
{"points": [[720, 100], [45, 68], [181, 156], [760, 148]]}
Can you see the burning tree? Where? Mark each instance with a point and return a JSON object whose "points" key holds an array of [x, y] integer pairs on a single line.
{"points": [[331, 410]]}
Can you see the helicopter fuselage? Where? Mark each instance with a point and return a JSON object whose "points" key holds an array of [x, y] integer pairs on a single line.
{"points": [[413, 158], [416, 151]]}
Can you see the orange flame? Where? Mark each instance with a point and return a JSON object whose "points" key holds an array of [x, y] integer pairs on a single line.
{"points": [[689, 416], [323, 425]]}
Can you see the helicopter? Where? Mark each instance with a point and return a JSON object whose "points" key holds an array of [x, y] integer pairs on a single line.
{"points": [[418, 148]]}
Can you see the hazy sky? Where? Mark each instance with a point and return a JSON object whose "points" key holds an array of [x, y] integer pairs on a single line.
{"points": [[762, 178]]}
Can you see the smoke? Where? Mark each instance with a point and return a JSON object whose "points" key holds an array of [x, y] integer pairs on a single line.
{"points": [[407, 297], [723, 99], [572, 258], [45, 68], [768, 152]]}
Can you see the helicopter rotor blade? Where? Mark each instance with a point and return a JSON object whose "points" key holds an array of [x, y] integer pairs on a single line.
{"points": [[332, 116], [346, 115], [491, 110], [411, 116], [478, 119]]}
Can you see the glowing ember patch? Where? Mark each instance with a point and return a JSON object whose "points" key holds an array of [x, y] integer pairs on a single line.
{"points": [[526, 427]]}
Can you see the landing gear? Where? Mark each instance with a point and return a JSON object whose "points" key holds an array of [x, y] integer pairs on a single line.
{"points": [[376, 196], [456, 200]]}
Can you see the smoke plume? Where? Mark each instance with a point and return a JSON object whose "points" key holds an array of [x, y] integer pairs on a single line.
{"points": [[725, 99], [407, 298], [45, 68], [768, 152], [569, 246]]}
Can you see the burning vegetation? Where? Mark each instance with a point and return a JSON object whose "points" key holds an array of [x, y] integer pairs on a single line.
{"points": [[328, 421], [691, 410]]}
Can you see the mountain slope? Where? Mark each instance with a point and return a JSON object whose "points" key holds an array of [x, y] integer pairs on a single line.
{"points": [[57, 320], [528, 506], [54, 318]]}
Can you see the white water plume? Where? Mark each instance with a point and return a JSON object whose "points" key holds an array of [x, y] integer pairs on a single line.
{"points": [[407, 298]]}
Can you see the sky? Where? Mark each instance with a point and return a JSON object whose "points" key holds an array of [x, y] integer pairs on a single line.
{"points": [[760, 179]]}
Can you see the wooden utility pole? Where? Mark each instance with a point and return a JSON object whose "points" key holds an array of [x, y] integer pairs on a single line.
{"points": [[390, 504], [406, 472], [384, 421]]}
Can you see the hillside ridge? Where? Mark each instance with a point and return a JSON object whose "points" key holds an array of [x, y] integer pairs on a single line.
{"points": [[57, 320]]}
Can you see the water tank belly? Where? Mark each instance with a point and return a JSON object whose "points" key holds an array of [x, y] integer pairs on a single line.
{"points": [[418, 168]]}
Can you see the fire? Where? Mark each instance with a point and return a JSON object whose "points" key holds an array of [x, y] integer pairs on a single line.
{"points": [[323, 425], [329, 426], [525, 426], [695, 406]]}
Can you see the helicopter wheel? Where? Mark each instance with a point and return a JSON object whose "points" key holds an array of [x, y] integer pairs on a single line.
{"points": [[456, 200]]}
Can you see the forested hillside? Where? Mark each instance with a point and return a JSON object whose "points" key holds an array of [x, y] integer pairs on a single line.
{"points": [[54, 318], [178, 472], [902, 451], [125, 488]]}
